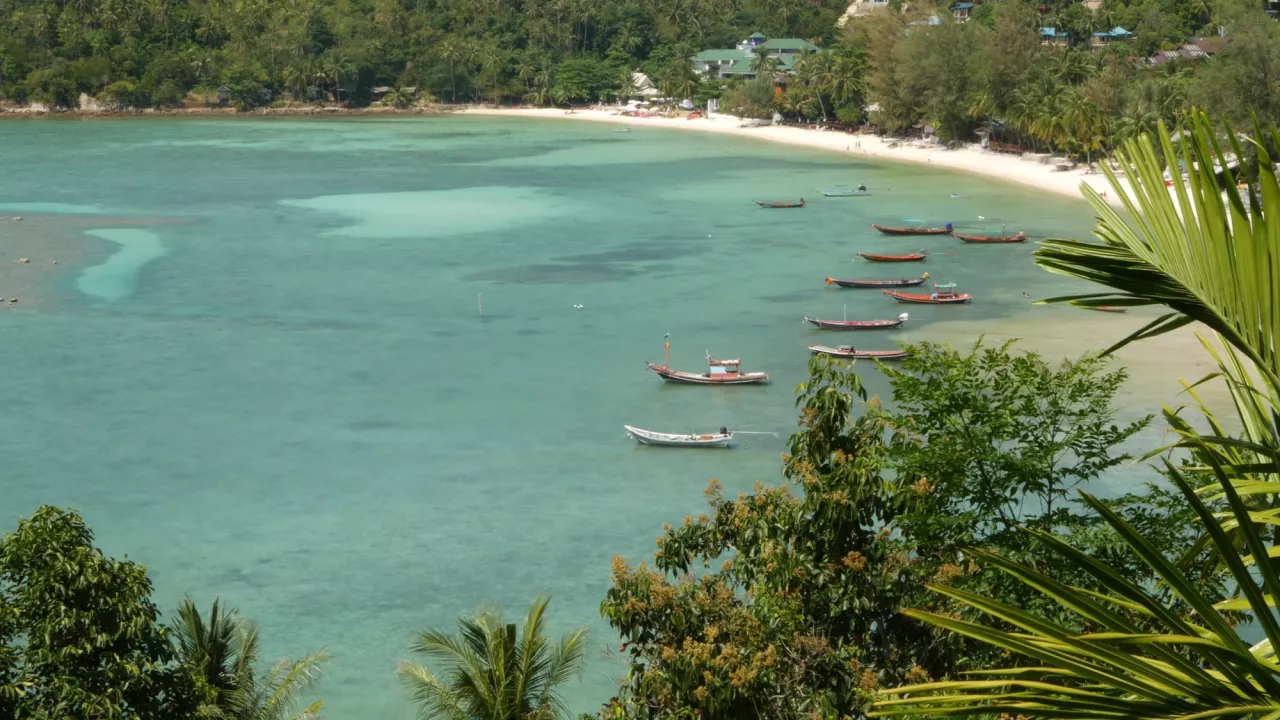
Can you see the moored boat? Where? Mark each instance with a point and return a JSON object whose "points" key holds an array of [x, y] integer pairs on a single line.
{"points": [[1107, 308], [941, 295], [912, 257], [844, 192], [1020, 237], [913, 231], [904, 282], [719, 372], [857, 324], [719, 439], [779, 205], [848, 351]]}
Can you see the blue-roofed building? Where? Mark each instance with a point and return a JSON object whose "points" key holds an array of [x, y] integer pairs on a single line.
{"points": [[1106, 37], [1054, 36], [962, 11]]}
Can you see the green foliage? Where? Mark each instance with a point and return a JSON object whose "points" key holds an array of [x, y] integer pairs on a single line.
{"points": [[992, 74], [585, 80], [751, 99], [491, 672], [220, 656], [1147, 654], [79, 636], [459, 50], [802, 615], [801, 612]]}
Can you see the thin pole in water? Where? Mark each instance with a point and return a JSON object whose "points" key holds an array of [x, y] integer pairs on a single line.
{"points": [[480, 303]]}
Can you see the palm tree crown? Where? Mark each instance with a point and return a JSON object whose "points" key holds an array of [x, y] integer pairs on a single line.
{"points": [[221, 653], [489, 672]]}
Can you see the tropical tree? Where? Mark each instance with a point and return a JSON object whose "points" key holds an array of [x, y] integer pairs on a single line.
{"points": [[221, 655], [1206, 254], [79, 634], [763, 63], [488, 671]]}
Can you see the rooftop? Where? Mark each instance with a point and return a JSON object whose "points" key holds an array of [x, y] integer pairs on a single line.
{"points": [[1053, 32], [721, 55], [789, 44], [1116, 31]]}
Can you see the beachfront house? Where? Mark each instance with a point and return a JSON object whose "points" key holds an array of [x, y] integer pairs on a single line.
{"points": [[962, 11], [1054, 36], [224, 95], [741, 60], [1107, 37]]}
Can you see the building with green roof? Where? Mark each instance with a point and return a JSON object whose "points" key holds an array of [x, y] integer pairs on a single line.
{"points": [[740, 61]]}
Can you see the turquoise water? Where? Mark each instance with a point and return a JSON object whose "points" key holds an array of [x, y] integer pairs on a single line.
{"points": [[284, 394], [118, 276]]}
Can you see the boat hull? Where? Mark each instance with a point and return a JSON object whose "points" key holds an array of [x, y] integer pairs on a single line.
{"points": [[858, 354], [854, 324], [893, 258], [845, 193], [911, 231], [992, 239], [661, 439], [780, 205], [688, 378], [922, 299], [875, 283]]}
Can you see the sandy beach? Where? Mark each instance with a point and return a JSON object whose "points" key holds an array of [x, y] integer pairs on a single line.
{"points": [[970, 158]]}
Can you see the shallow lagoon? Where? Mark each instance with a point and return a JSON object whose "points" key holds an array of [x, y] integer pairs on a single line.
{"points": [[284, 395]]}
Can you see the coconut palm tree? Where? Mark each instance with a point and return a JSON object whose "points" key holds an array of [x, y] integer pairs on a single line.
{"points": [[488, 672], [222, 654], [763, 64], [1207, 255], [451, 52]]}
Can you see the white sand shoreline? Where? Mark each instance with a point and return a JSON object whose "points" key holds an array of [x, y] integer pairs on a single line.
{"points": [[971, 158]]}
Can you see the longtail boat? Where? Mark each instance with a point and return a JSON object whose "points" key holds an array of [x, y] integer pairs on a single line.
{"points": [[719, 439], [779, 205], [1108, 308], [1020, 237], [913, 231], [719, 372], [857, 324], [905, 282], [913, 257], [841, 192], [941, 295], [848, 351]]}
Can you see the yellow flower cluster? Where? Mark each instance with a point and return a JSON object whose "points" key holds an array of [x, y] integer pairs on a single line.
{"points": [[855, 561]]}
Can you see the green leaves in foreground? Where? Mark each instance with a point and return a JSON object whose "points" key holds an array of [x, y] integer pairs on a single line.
{"points": [[1200, 252], [1192, 666]]}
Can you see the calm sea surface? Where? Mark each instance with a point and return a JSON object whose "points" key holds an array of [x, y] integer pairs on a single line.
{"points": [[268, 379]]}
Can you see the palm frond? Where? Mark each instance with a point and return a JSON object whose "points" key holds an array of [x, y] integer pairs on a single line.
{"points": [[1197, 250], [491, 671], [278, 693]]}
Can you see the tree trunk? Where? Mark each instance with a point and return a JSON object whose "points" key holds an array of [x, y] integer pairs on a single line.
{"points": [[453, 86]]}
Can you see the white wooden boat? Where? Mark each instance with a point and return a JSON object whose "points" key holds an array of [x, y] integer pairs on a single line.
{"points": [[848, 351], [650, 437]]}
